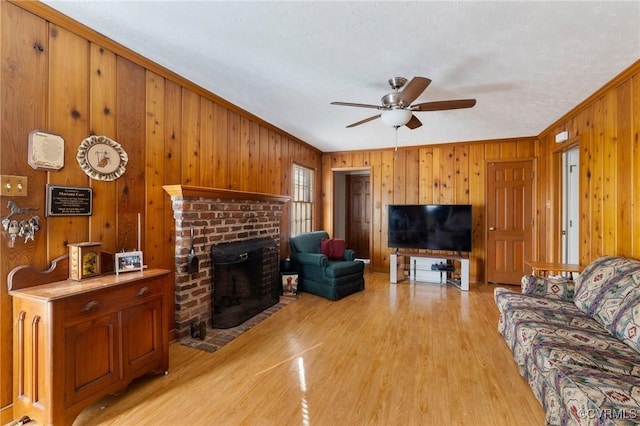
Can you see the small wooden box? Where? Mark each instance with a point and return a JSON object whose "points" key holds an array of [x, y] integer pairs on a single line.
{"points": [[84, 260]]}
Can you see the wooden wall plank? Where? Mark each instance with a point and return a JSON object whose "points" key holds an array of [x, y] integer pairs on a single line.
{"points": [[102, 121], [264, 158], [461, 174], [254, 153], [274, 163], [426, 175], [221, 148], [208, 137], [476, 197], [172, 162], [155, 247], [586, 143], [624, 170], [447, 174], [386, 198], [244, 142], [412, 174], [234, 150], [398, 178], [190, 138], [68, 112], [596, 181], [609, 167], [130, 113]]}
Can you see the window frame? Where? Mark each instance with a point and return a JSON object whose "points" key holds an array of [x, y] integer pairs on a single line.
{"points": [[302, 199]]}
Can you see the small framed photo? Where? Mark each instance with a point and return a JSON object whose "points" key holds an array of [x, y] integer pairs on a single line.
{"points": [[129, 261]]}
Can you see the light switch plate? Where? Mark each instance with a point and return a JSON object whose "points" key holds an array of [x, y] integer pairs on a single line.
{"points": [[13, 186]]}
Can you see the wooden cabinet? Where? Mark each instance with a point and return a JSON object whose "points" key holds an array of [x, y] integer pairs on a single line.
{"points": [[76, 341]]}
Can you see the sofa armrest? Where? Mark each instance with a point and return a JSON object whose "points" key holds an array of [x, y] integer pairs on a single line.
{"points": [[315, 259], [561, 289], [349, 254]]}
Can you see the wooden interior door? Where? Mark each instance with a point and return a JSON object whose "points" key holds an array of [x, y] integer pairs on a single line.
{"points": [[358, 214], [509, 220]]}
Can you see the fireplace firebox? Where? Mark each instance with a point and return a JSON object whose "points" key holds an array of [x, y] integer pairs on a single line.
{"points": [[244, 280]]}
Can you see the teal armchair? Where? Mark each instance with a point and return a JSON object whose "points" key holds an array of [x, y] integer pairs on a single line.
{"points": [[317, 274]]}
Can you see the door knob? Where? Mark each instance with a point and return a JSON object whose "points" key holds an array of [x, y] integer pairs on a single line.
{"points": [[491, 228]]}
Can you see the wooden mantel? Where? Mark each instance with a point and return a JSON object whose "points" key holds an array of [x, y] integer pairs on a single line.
{"points": [[186, 191]]}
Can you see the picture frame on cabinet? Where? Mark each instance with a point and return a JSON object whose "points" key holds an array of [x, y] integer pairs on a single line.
{"points": [[129, 262], [84, 260]]}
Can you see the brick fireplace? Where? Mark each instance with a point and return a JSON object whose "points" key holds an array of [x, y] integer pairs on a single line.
{"points": [[218, 216]]}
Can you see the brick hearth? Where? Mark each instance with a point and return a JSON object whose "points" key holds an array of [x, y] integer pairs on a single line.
{"points": [[217, 216]]}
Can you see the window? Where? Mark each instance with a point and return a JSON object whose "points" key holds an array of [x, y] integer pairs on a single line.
{"points": [[302, 203]]}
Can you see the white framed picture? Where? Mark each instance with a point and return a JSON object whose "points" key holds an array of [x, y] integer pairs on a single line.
{"points": [[129, 261]]}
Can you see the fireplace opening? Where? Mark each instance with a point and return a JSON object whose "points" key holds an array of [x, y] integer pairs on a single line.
{"points": [[244, 280]]}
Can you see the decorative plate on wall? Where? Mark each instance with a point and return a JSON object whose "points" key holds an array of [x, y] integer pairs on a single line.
{"points": [[102, 158]]}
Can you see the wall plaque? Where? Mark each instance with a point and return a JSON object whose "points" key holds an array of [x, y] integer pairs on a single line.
{"points": [[69, 201], [46, 150]]}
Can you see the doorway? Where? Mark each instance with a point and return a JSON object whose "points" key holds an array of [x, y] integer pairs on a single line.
{"points": [[352, 210], [571, 205]]}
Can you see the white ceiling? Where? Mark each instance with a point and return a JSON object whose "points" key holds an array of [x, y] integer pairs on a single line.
{"points": [[526, 63]]}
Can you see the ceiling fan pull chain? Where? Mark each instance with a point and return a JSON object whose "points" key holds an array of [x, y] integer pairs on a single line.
{"points": [[395, 155]]}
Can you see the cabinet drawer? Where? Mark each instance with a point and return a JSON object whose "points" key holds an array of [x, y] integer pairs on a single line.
{"points": [[109, 300]]}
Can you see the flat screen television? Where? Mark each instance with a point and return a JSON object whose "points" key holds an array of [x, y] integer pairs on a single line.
{"points": [[431, 226]]}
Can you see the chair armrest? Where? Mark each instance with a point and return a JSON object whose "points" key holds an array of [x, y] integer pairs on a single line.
{"points": [[315, 259], [561, 289], [349, 254]]}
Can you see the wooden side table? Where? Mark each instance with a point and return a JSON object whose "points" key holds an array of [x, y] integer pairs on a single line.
{"points": [[542, 268]]}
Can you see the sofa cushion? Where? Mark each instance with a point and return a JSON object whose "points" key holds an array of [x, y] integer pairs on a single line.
{"points": [[338, 268], [608, 290], [562, 289], [596, 397], [333, 248]]}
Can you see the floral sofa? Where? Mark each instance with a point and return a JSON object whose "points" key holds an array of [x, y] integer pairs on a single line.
{"points": [[578, 344]]}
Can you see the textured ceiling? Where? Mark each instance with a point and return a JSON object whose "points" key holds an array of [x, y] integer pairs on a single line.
{"points": [[526, 63]]}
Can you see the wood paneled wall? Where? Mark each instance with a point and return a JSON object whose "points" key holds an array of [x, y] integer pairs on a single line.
{"points": [[61, 77], [606, 127], [446, 173]]}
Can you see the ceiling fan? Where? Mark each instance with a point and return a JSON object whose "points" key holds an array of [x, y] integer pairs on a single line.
{"points": [[396, 106]]}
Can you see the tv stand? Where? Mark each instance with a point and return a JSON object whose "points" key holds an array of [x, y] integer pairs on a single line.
{"points": [[423, 262]]}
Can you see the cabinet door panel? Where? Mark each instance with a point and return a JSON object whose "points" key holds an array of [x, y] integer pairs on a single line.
{"points": [[142, 338], [91, 350]]}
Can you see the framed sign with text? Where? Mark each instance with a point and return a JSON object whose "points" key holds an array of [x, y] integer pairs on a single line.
{"points": [[69, 201]]}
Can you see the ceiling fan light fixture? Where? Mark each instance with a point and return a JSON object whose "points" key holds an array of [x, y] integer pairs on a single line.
{"points": [[396, 117]]}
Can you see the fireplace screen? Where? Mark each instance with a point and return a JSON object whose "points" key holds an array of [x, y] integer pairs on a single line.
{"points": [[244, 280]]}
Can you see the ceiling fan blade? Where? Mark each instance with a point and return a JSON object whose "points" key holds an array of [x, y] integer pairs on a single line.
{"points": [[356, 105], [366, 120], [413, 123], [413, 89], [442, 105]]}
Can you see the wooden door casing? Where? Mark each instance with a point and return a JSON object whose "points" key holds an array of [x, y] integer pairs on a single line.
{"points": [[509, 220], [359, 214]]}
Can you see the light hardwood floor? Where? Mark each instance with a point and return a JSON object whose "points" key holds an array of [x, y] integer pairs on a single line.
{"points": [[394, 354]]}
